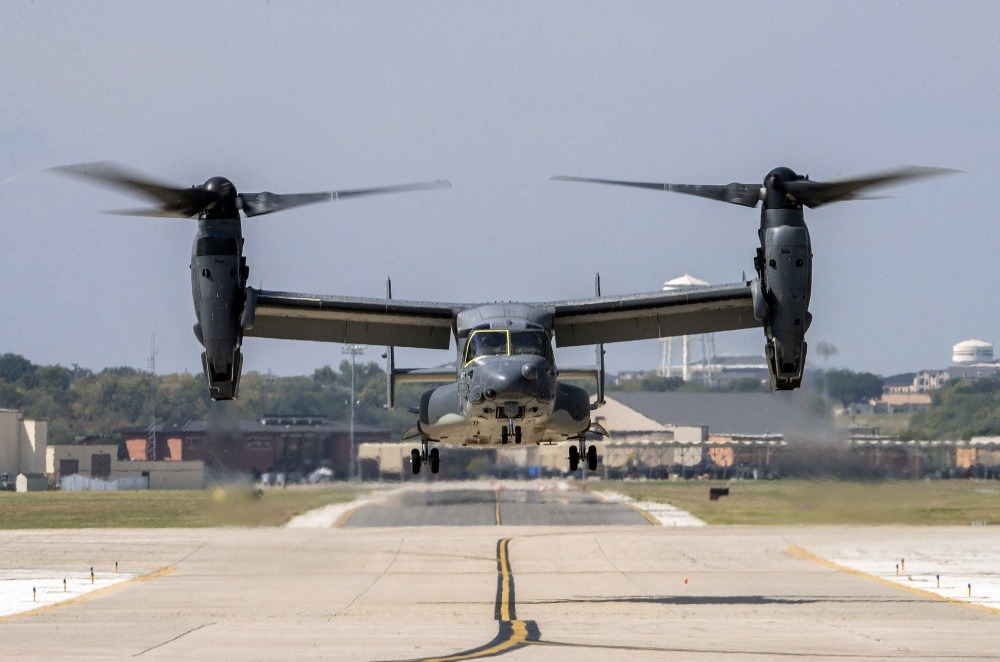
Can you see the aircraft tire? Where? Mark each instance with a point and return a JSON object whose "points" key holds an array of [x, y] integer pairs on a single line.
{"points": [[574, 458], [435, 457], [592, 458], [415, 460]]}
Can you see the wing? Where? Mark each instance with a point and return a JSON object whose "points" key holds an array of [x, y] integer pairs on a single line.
{"points": [[293, 316], [654, 315]]}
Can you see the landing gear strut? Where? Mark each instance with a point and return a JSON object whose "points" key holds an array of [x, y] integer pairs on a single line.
{"points": [[419, 457]]}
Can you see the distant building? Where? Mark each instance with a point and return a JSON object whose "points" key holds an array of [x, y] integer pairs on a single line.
{"points": [[283, 444], [783, 412], [22, 444], [89, 466]]}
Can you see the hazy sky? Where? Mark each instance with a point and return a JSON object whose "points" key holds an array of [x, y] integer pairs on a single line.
{"points": [[497, 97]]}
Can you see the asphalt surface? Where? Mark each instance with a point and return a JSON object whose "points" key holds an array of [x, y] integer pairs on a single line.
{"points": [[536, 506], [514, 591]]}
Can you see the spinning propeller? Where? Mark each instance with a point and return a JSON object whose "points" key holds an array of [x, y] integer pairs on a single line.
{"points": [[216, 198], [782, 186]]}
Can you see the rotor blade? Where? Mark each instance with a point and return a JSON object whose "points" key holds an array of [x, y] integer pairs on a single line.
{"points": [[150, 212], [255, 204], [738, 194], [173, 200], [813, 194]]}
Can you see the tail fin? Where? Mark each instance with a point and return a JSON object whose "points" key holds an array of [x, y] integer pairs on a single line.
{"points": [[390, 362], [599, 348]]}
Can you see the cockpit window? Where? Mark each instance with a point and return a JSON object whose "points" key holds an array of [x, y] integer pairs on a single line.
{"points": [[529, 342], [486, 343], [506, 343]]}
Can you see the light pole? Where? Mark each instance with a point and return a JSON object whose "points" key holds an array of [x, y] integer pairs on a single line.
{"points": [[354, 351]]}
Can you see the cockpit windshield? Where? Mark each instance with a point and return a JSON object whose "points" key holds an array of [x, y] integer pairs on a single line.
{"points": [[528, 342], [486, 343], [507, 343]]}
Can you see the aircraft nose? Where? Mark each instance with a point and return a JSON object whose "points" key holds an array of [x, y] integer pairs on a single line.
{"points": [[510, 380]]}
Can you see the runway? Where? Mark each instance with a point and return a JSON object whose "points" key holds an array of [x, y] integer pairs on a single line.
{"points": [[540, 505], [518, 591]]}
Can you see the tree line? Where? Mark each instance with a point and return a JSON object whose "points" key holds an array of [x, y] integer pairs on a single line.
{"points": [[79, 402]]}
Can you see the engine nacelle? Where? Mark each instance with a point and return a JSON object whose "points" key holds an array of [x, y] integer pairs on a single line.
{"points": [[218, 284], [784, 263]]}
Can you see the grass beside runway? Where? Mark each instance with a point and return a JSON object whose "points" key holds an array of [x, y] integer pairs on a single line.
{"points": [[940, 502], [168, 508]]}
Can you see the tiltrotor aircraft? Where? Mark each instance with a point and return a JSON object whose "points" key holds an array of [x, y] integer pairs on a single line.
{"points": [[506, 386]]}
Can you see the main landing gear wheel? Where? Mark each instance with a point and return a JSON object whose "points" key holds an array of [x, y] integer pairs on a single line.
{"points": [[592, 458], [435, 458], [415, 461], [574, 458]]}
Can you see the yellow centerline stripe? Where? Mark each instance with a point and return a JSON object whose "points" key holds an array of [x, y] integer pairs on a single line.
{"points": [[513, 633], [162, 572], [496, 499], [794, 550], [504, 582]]}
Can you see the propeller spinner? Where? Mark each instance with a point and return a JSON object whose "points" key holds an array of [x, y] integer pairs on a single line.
{"points": [[217, 197]]}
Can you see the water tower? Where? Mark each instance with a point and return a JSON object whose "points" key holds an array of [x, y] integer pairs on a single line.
{"points": [[667, 367], [972, 352]]}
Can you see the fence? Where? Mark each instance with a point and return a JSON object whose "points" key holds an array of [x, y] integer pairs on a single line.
{"points": [[78, 483]]}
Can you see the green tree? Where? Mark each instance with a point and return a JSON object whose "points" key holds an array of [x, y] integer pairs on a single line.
{"points": [[848, 387], [960, 410], [14, 366]]}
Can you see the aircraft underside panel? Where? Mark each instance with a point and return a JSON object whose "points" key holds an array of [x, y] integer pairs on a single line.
{"points": [[350, 320], [653, 315], [442, 420]]}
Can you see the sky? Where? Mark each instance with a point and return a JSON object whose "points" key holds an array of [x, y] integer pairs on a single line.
{"points": [[496, 97]]}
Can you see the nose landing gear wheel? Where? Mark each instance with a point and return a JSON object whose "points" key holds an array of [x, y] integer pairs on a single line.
{"points": [[592, 458], [435, 458], [504, 434], [415, 461], [574, 458], [517, 434]]}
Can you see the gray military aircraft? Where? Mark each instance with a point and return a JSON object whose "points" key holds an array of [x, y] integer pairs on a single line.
{"points": [[505, 386]]}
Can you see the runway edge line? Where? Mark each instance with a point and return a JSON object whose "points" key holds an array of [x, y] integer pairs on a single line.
{"points": [[806, 555], [162, 572]]}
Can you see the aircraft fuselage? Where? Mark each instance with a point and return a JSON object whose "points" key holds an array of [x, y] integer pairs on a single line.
{"points": [[507, 387]]}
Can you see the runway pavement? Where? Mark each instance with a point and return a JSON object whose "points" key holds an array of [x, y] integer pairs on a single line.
{"points": [[541, 504], [516, 590]]}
